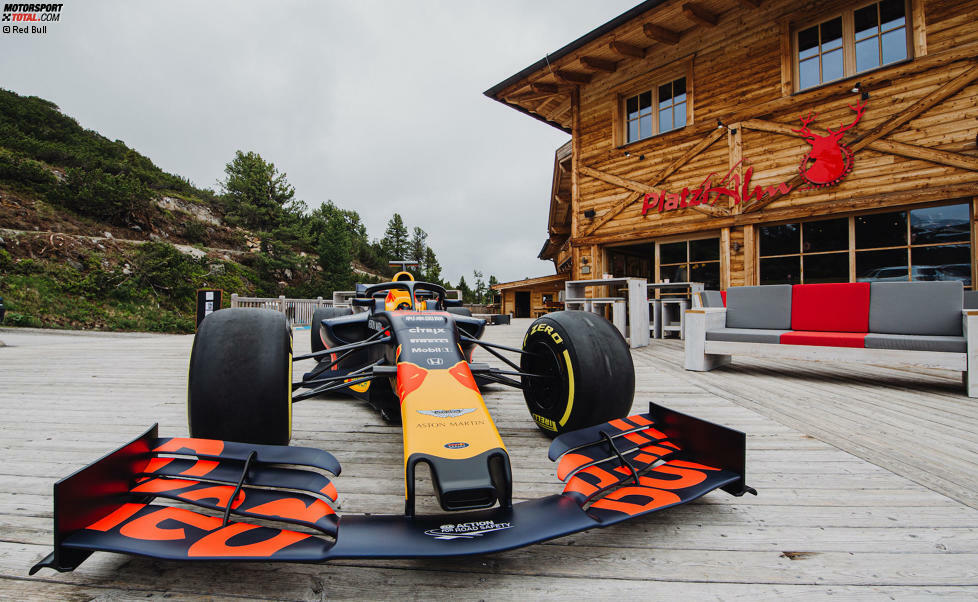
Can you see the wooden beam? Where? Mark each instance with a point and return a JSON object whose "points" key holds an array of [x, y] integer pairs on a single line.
{"points": [[662, 175], [599, 64], [875, 201], [661, 34], [617, 180], [911, 151], [572, 77], [865, 140], [527, 96], [941, 94], [544, 87], [698, 14], [627, 50], [751, 3]]}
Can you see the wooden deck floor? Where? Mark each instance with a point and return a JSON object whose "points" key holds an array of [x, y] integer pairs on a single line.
{"points": [[866, 480]]}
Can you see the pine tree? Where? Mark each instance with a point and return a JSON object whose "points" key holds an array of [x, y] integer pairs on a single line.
{"points": [[256, 193], [417, 247], [466, 291], [432, 269], [395, 241], [335, 253], [479, 292]]}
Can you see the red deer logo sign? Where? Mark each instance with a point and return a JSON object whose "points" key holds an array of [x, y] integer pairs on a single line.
{"points": [[829, 161]]}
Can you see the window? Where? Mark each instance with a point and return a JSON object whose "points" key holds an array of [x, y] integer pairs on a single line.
{"points": [[691, 261], [858, 40], [805, 253], [656, 111], [931, 243]]}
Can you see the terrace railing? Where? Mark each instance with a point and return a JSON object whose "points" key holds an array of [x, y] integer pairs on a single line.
{"points": [[298, 311]]}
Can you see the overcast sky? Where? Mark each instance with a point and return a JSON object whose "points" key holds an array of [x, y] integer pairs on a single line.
{"points": [[376, 106]]}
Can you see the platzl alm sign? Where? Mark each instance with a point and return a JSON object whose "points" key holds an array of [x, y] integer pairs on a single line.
{"points": [[826, 164]]}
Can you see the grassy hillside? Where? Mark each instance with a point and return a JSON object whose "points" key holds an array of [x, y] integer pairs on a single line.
{"points": [[94, 235]]}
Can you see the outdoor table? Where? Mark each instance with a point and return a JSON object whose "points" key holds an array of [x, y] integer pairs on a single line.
{"points": [[694, 287], [638, 314]]}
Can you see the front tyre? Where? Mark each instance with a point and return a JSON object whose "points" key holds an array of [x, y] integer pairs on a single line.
{"points": [[583, 372], [240, 379]]}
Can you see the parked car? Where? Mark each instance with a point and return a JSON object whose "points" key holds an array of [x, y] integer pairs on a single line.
{"points": [[899, 273]]}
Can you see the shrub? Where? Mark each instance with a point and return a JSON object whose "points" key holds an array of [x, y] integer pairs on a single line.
{"points": [[120, 199]]}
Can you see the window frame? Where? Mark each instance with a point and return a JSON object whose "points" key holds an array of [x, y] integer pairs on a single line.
{"points": [[687, 239], [848, 43], [650, 82], [852, 250]]}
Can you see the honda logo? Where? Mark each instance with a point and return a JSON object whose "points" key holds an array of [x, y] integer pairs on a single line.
{"points": [[435, 361]]}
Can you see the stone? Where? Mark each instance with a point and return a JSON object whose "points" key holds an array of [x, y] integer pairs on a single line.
{"points": [[107, 234]]}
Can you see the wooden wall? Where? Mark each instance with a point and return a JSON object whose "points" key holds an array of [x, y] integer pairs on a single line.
{"points": [[736, 74]]}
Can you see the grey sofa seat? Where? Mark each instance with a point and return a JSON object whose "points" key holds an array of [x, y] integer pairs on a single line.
{"points": [[711, 299], [917, 342], [918, 308], [745, 335], [971, 299], [759, 307]]}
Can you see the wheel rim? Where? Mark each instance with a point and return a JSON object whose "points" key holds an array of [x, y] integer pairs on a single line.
{"points": [[549, 392]]}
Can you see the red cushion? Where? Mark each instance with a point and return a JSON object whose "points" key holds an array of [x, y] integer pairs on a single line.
{"points": [[723, 295], [837, 307], [827, 339]]}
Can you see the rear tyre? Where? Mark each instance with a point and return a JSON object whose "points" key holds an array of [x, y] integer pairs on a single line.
{"points": [[240, 379], [316, 328], [587, 373]]}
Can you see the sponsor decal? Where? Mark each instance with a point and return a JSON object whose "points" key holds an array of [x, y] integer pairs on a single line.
{"points": [[435, 361], [546, 329], [456, 445], [419, 330], [424, 319], [447, 413], [545, 422], [467, 530], [431, 349], [455, 423], [427, 340]]}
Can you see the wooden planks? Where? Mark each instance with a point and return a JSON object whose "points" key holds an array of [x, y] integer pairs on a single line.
{"points": [[826, 522]]}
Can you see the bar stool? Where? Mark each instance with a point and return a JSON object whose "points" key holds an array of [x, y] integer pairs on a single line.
{"points": [[655, 318], [674, 316]]}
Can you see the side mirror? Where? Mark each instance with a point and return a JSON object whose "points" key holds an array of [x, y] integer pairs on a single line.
{"points": [[362, 302], [453, 303]]}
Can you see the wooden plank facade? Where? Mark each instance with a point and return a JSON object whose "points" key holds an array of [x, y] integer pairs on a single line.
{"points": [[741, 143], [530, 297]]}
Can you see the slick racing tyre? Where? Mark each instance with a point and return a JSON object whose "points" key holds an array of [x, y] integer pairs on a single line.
{"points": [[240, 380], [583, 372], [316, 328]]}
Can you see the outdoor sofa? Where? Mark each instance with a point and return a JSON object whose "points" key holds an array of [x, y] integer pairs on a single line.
{"points": [[887, 323]]}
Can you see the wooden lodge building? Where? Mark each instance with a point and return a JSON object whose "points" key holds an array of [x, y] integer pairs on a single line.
{"points": [[761, 141]]}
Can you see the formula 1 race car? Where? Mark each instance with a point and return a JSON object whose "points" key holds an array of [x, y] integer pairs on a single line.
{"points": [[406, 349]]}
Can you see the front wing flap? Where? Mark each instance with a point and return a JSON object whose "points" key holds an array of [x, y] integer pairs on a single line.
{"points": [[612, 472]]}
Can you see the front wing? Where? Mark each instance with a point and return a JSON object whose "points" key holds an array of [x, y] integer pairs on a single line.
{"points": [[612, 472]]}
